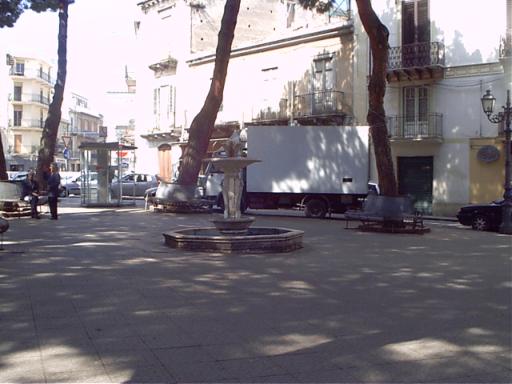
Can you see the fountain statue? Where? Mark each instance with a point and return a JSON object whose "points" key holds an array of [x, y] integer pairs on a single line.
{"points": [[232, 232], [232, 222]]}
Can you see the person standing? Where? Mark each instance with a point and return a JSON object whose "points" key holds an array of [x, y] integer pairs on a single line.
{"points": [[31, 193], [53, 190]]}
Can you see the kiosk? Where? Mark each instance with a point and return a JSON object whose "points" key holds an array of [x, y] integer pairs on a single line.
{"points": [[100, 164]]}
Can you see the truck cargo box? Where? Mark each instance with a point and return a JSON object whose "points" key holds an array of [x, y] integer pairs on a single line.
{"points": [[308, 159]]}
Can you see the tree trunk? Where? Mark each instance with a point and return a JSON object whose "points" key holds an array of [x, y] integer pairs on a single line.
{"points": [[378, 35], [51, 125], [201, 128], [3, 166]]}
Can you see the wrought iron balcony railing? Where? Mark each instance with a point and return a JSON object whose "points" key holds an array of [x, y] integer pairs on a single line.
{"points": [[270, 112], [416, 55], [319, 103], [429, 126], [309, 105]]}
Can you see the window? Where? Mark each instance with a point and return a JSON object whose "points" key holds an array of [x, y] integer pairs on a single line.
{"points": [[19, 69], [170, 106], [17, 117], [156, 107], [415, 110], [415, 33], [323, 84], [415, 22], [18, 89]]}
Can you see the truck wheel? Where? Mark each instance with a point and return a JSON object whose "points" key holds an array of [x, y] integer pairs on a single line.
{"points": [[316, 208]]}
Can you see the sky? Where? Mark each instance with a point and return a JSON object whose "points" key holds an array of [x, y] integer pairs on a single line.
{"points": [[100, 44]]}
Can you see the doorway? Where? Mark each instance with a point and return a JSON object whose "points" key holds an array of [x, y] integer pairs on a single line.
{"points": [[415, 178]]}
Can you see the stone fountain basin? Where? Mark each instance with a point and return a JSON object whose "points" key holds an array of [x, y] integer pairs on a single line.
{"points": [[256, 240]]}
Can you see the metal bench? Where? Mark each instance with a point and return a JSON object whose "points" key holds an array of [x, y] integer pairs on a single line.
{"points": [[387, 214], [11, 200]]}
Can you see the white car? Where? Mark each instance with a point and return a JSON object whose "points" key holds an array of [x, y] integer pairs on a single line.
{"points": [[18, 176]]}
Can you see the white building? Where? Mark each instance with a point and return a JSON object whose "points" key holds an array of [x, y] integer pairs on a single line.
{"points": [[444, 55], [27, 88]]}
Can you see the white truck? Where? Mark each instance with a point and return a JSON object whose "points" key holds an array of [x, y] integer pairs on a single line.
{"points": [[320, 169]]}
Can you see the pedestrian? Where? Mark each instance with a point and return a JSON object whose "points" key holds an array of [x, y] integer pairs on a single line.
{"points": [[53, 190], [31, 193]]}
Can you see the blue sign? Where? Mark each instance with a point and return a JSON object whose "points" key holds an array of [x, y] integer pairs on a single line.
{"points": [[66, 153]]}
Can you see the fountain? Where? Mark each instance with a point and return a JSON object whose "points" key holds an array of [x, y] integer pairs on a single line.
{"points": [[232, 232]]}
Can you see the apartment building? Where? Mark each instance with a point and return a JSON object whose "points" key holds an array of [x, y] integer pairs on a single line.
{"points": [[440, 66], [85, 126], [27, 88]]}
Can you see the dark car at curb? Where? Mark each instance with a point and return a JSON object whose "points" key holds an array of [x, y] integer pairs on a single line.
{"points": [[482, 217]]}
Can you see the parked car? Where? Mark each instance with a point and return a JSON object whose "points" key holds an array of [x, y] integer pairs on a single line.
{"points": [[72, 185], [133, 184], [482, 217], [18, 176]]}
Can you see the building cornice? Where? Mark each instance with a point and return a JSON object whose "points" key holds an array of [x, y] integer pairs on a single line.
{"points": [[473, 70], [303, 38]]}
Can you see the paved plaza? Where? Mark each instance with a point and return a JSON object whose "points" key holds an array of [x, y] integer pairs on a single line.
{"points": [[97, 297]]}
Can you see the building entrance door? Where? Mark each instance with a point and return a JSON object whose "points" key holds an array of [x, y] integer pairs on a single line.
{"points": [[164, 161], [415, 178]]}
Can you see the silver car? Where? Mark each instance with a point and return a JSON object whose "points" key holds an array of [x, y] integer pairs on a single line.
{"points": [[133, 184]]}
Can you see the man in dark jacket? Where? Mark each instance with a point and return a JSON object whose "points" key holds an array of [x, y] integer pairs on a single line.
{"points": [[31, 193], [53, 190]]}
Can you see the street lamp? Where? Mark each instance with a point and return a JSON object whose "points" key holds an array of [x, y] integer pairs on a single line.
{"points": [[488, 103]]}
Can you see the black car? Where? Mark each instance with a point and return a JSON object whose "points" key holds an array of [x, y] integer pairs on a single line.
{"points": [[482, 217]]}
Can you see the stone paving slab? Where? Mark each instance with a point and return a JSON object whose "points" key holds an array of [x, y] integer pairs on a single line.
{"points": [[97, 297]]}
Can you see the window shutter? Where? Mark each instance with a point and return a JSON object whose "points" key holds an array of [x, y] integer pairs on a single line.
{"points": [[408, 27], [423, 22]]}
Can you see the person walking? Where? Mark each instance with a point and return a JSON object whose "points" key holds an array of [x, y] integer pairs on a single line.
{"points": [[53, 190], [31, 193]]}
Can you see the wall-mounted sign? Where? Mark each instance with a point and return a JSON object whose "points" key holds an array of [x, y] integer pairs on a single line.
{"points": [[488, 154], [103, 131]]}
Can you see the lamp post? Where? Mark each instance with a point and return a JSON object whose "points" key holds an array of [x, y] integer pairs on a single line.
{"points": [[488, 102]]}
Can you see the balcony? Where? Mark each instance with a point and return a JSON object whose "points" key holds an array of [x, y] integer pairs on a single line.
{"points": [[429, 127], [276, 115], [35, 74], [315, 108], [418, 61], [31, 98], [27, 123]]}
